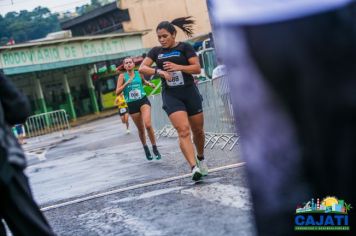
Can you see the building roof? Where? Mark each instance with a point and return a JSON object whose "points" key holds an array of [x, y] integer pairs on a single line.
{"points": [[73, 39], [90, 15]]}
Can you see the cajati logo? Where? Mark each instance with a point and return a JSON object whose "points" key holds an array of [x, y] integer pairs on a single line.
{"points": [[329, 214]]}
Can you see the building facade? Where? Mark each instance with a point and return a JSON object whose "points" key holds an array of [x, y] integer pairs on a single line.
{"points": [[58, 74], [147, 14], [103, 20]]}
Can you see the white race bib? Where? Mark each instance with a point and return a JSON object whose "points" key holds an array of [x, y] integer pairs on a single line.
{"points": [[122, 110], [177, 79], [135, 94]]}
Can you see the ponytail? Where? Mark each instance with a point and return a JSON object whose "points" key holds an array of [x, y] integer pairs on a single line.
{"points": [[184, 23]]}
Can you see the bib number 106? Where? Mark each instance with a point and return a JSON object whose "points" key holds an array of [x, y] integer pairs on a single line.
{"points": [[135, 94]]}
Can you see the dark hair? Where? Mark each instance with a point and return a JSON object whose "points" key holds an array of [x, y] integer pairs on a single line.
{"points": [[123, 61], [184, 23]]}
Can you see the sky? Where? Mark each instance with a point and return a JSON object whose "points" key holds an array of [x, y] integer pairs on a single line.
{"points": [[53, 5]]}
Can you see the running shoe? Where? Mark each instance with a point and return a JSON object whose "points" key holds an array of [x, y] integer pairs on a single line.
{"points": [[148, 153], [156, 152], [196, 174], [203, 167], [128, 131]]}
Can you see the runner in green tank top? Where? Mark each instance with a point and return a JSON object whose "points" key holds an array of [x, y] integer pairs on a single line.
{"points": [[130, 83], [134, 90]]}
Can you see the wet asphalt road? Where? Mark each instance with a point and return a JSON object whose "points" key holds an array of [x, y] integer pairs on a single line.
{"points": [[100, 157]]}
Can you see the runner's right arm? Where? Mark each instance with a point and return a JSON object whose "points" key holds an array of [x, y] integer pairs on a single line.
{"points": [[120, 86], [145, 68]]}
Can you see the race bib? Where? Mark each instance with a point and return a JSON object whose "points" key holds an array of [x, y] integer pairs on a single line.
{"points": [[135, 94], [177, 79], [122, 110]]}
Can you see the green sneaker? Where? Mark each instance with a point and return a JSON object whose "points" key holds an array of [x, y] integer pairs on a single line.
{"points": [[203, 167], [196, 174], [148, 153], [156, 152]]}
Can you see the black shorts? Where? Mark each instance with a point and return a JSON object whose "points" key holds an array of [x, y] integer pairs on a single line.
{"points": [[182, 99], [123, 111], [135, 107]]}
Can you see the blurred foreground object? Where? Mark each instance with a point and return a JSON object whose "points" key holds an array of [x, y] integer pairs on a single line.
{"points": [[291, 65], [17, 206]]}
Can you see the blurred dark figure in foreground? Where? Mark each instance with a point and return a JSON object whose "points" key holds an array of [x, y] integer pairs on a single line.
{"points": [[17, 206], [292, 70]]}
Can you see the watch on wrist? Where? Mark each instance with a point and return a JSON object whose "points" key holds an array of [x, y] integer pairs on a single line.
{"points": [[157, 70]]}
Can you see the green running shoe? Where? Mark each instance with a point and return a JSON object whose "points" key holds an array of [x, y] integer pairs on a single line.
{"points": [[148, 153], [156, 152], [196, 174], [203, 167]]}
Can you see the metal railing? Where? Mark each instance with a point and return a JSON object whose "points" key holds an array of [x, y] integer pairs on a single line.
{"points": [[219, 121], [45, 123]]}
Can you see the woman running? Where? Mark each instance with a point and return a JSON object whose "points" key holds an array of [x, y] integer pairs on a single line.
{"points": [[176, 62], [131, 84], [123, 111]]}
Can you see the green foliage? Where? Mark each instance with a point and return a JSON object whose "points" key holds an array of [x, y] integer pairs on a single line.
{"points": [[80, 10], [27, 25]]}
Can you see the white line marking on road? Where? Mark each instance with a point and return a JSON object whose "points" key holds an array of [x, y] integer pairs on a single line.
{"points": [[42, 156], [137, 186], [154, 193], [40, 153], [224, 194]]}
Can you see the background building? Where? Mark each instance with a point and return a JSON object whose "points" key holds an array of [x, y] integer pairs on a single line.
{"points": [[140, 15], [147, 14], [77, 71], [102, 20], [58, 74]]}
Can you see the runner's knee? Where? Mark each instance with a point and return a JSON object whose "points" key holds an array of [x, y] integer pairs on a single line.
{"points": [[148, 125], [198, 131], [183, 132]]}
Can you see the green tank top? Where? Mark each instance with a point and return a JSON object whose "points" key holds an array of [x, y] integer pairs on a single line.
{"points": [[134, 91]]}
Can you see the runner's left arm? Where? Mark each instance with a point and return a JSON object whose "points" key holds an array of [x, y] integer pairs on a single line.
{"points": [[192, 68]]}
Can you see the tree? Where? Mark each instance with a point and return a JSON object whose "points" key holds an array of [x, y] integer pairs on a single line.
{"points": [[95, 3], [27, 25]]}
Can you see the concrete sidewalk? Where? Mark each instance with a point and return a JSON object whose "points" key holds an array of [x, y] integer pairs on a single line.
{"points": [[92, 117], [36, 144]]}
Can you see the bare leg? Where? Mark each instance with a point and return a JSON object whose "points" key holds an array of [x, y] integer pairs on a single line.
{"points": [[146, 117], [126, 119], [137, 118], [197, 125], [180, 122]]}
